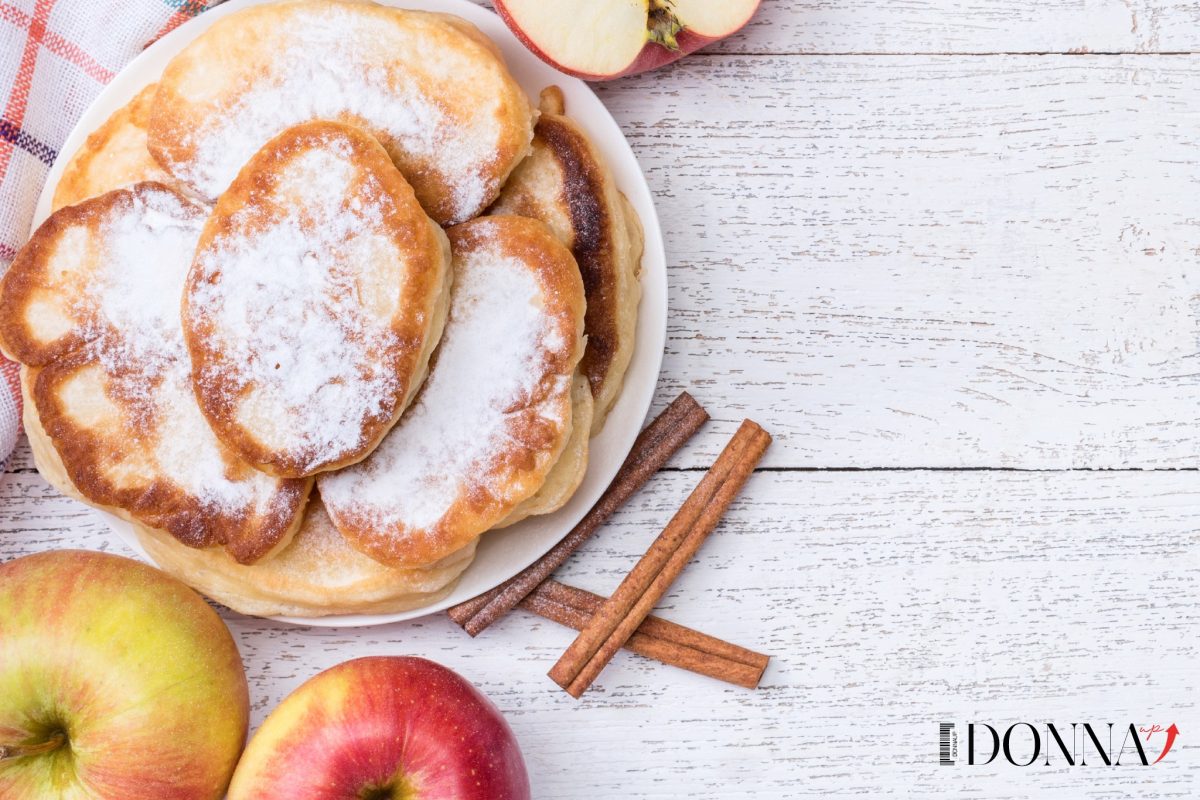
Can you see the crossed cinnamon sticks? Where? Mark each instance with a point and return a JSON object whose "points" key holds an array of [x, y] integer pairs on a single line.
{"points": [[623, 621], [655, 638]]}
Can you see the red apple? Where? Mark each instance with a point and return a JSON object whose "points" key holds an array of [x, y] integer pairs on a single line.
{"points": [[604, 39], [117, 682], [383, 728]]}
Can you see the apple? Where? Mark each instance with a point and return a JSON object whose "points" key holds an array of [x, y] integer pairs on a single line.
{"points": [[117, 682], [604, 39], [383, 728]]}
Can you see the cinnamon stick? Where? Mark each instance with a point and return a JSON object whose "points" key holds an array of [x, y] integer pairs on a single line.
{"points": [[655, 638], [610, 628], [653, 447]]}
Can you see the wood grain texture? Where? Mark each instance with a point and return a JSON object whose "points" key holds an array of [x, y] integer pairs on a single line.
{"points": [[967, 27], [893, 258], [930, 261], [889, 601]]}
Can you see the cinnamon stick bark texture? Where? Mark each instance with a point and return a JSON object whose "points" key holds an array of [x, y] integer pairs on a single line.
{"points": [[610, 628], [653, 447], [655, 638]]}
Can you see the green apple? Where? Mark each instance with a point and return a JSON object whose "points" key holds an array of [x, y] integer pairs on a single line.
{"points": [[117, 682]]}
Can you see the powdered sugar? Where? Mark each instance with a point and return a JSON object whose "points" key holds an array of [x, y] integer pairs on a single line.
{"points": [[148, 253], [333, 62], [295, 303], [488, 366], [190, 454], [132, 302]]}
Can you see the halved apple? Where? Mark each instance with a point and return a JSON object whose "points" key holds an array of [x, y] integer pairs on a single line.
{"points": [[606, 39]]}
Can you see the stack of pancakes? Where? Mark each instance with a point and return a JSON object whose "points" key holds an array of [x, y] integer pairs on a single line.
{"points": [[324, 305]]}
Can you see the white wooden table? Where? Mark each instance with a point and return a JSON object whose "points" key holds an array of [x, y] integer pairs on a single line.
{"points": [[946, 251]]}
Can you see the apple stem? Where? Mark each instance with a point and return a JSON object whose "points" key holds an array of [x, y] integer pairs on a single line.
{"points": [[9, 751], [663, 25]]}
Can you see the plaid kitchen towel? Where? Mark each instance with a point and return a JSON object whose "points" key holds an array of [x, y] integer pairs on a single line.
{"points": [[55, 56]]}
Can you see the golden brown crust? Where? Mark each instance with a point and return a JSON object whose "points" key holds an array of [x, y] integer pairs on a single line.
{"points": [[569, 470], [87, 456], [461, 140], [114, 155], [118, 408], [316, 575], [398, 346], [27, 284], [592, 244], [363, 499], [566, 184]]}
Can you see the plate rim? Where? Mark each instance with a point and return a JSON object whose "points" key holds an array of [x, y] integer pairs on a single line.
{"points": [[641, 378]]}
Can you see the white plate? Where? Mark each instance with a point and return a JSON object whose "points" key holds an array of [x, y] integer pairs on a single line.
{"points": [[501, 554]]}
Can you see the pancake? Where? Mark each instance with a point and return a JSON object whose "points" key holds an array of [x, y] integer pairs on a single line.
{"points": [[568, 471], [495, 414], [316, 575], [566, 184], [317, 293], [439, 98], [114, 155], [90, 307]]}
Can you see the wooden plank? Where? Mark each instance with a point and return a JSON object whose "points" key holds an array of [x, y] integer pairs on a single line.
{"points": [[890, 600], [967, 26], [926, 261]]}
